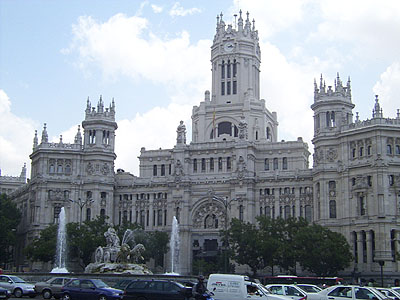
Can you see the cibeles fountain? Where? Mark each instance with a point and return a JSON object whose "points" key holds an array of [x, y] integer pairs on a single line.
{"points": [[119, 257]]}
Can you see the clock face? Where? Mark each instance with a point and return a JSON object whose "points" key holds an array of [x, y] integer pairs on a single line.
{"points": [[228, 47]]}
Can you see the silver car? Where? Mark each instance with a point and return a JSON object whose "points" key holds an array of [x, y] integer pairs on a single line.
{"points": [[51, 287], [17, 286], [288, 290], [392, 294], [351, 292]]}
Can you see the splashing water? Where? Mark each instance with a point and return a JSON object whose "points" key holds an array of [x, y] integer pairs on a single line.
{"points": [[61, 253], [174, 246]]}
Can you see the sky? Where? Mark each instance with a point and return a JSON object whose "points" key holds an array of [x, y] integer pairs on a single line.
{"points": [[153, 58]]}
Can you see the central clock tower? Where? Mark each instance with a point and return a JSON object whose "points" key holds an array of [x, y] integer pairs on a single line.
{"points": [[235, 57]]}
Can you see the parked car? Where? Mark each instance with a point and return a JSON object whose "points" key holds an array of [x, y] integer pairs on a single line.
{"points": [[351, 292], [4, 293], [156, 289], [288, 290], [17, 286], [392, 294], [51, 287], [89, 289], [309, 288], [121, 285]]}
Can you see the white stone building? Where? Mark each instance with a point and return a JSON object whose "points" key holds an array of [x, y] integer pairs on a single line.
{"points": [[234, 167]]}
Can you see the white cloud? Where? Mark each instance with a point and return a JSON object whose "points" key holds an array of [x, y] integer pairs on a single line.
{"points": [[372, 27], [152, 130], [178, 11], [156, 8], [124, 46], [14, 150], [388, 90], [271, 16]]}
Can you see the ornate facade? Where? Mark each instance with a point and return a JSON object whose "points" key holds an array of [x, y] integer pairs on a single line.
{"points": [[234, 167]]}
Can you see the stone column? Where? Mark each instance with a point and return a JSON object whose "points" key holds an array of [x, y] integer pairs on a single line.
{"points": [[369, 250], [360, 251]]}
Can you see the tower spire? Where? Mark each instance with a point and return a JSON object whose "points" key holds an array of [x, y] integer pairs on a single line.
{"points": [[35, 140], [45, 136]]}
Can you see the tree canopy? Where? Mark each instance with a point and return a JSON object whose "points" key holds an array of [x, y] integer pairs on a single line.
{"points": [[10, 217], [287, 243]]}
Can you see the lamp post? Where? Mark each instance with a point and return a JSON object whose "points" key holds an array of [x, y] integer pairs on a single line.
{"points": [[381, 263], [81, 204], [227, 204]]}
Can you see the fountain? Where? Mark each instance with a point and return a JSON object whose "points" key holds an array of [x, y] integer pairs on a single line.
{"points": [[61, 253], [174, 247], [117, 257]]}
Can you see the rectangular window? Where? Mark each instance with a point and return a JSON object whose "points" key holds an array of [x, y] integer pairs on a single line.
{"points": [[228, 88], [203, 164], [154, 170], [228, 163], [234, 88], [222, 88], [211, 164], [159, 217], [222, 71], [194, 165], [275, 164], [162, 170], [219, 163], [229, 70], [234, 69]]}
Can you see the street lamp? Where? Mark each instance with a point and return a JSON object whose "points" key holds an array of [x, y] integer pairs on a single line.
{"points": [[381, 263], [227, 204], [81, 203]]}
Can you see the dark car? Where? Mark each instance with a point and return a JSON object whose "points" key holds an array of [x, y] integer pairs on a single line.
{"points": [[89, 289], [156, 290], [4, 293], [51, 287], [121, 285]]}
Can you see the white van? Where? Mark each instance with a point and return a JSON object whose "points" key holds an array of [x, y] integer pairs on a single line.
{"points": [[238, 287]]}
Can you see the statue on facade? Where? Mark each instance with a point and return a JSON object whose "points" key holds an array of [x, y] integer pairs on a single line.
{"points": [[243, 129], [181, 133]]}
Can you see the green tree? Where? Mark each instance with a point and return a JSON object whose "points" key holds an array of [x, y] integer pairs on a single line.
{"points": [[10, 217], [44, 247], [246, 242], [322, 251], [85, 238], [271, 236], [289, 250], [158, 244]]}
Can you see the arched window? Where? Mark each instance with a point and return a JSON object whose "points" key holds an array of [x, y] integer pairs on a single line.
{"points": [[287, 212], [393, 243], [154, 170], [89, 195], [332, 209], [369, 152], [163, 170], [266, 164], [234, 68], [219, 163], [389, 149], [284, 163], [68, 169], [353, 152], [228, 163], [195, 165], [203, 164], [225, 128], [361, 151], [256, 135], [229, 70], [308, 213], [88, 214], [268, 211], [275, 164], [397, 149], [52, 168], [102, 212], [223, 70], [59, 167], [268, 134]]}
